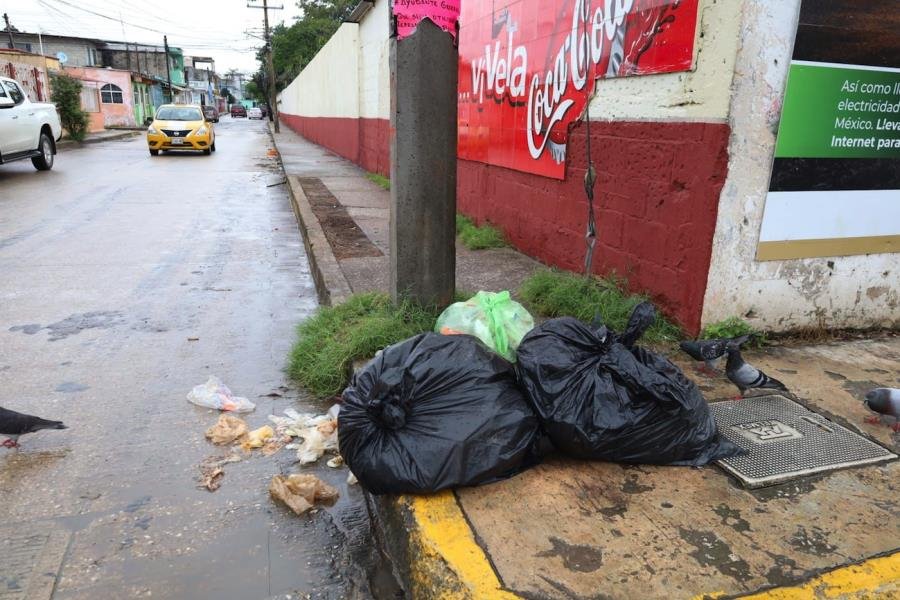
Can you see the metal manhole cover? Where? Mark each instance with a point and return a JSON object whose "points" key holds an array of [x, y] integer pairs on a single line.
{"points": [[785, 440], [30, 558]]}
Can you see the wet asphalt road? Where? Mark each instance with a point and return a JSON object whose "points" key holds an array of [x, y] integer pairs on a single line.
{"points": [[109, 265]]}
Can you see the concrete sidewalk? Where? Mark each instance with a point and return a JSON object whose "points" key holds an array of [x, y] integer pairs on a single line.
{"points": [[573, 529], [100, 136]]}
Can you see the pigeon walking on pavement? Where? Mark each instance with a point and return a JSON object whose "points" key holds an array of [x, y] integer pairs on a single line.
{"points": [[13, 424], [885, 402], [744, 375], [711, 351]]}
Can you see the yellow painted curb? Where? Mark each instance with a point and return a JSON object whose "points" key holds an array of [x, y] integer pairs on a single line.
{"points": [[444, 534], [875, 578]]}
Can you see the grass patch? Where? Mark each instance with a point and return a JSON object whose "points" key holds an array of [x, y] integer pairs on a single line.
{"points": [[335, 336], [478, 238], [733, 327], [555, 293], [379, 180]]}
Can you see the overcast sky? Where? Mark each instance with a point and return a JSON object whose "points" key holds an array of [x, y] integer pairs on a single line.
{"points": [[199, 27]]}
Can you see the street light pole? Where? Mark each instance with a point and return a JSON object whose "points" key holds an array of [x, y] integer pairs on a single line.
{"points": [[12, 44], [270, 67], [168, 69]]}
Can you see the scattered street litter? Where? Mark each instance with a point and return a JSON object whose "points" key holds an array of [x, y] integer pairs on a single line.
{"points": [[318, 432], [274, 444], [351, 479], [211, 471], [495, 319], [599, 399], [301, 492], [193, 339], [436, 412], [258, 438], [336, 463], [227, 430], [215, 394]]}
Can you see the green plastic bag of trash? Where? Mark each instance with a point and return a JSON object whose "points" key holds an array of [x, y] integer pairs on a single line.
{"points": [[495, 319]]}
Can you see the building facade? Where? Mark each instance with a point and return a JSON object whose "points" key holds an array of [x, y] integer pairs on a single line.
{"points": [[731, 180]]}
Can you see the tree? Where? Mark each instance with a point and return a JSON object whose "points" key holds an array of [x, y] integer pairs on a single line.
{"points": [[253, 90], [294, 46], [67, 97]]}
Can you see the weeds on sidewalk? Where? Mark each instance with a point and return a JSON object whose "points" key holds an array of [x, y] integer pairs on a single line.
{"points": [[733, 327], [379, 180], [478, 238], [554, 293], [334, 337]]}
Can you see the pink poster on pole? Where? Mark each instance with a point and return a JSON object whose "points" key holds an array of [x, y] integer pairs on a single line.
{"points": [[444, 14]]}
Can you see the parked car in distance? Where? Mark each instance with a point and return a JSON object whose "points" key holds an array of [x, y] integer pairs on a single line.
{"points": [[254, 113], [181, 127], [238, 110], [211, 113], [27, 129]]}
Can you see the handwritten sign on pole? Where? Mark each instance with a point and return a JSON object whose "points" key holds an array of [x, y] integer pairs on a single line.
{"points": [[409, 13]]}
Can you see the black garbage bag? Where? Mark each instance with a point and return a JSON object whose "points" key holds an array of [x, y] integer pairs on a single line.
{"points": [[600, 399], [436, 412]]}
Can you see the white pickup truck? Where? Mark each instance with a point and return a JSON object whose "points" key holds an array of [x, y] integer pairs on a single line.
{"points": [[27, 129]]}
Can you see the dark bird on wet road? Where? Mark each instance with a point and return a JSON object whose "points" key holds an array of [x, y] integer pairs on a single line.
{"points": [[711, 351], [13, 424], [744, 375], [885, 402]]}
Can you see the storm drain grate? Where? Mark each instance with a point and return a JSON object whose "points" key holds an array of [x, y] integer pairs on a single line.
{"points": [[30, 558], [785, 440]]}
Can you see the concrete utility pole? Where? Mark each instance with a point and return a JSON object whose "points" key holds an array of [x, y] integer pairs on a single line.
{"points": [[168, 69], [272, 100], [9, 31], [423, 165]]}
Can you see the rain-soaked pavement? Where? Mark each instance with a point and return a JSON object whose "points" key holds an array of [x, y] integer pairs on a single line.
{"points": [[124, 281]]}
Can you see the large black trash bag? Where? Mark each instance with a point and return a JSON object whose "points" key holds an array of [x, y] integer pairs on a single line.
{"points": [[599, 399], [436, 412]]}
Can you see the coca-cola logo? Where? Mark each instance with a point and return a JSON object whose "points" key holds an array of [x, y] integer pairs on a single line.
{"points": [[544, 81]]}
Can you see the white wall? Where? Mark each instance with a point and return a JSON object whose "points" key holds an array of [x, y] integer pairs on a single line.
{"points": [[702, 94], [374, 65], [853, 291], [328, 86]]}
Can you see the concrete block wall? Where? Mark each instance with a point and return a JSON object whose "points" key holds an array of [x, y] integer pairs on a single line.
{"points": [[341, 98], [659, 143]]}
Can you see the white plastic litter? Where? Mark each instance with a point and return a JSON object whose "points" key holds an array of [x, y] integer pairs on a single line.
{"points": [[215, 394], [318, 432]]}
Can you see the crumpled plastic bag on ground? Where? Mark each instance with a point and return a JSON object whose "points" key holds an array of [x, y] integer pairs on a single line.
{"points": [[495, 319], [436, 412], [211, 471], [598, 398], [215, 394], [318, 432], [227, 429], [257, 438], [301, 492]]}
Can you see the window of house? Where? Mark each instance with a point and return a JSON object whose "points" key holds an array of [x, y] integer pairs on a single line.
{"points": [[89, 100], [111, 94]]}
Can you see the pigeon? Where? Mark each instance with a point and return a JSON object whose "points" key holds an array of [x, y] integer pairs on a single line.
{"points": [[885, 402], [744, 375], [642, 317], [710, 351], [13, 424]]}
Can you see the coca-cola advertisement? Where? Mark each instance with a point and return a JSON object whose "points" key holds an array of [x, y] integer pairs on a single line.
{"points": [[528, 67]]}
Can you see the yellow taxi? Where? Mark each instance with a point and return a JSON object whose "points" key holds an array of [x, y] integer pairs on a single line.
{"points": [[181, 127]]}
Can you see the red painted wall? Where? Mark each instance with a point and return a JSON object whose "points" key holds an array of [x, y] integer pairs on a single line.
{"points": [[657, 198], [364, 141]]}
